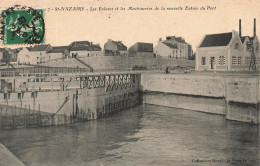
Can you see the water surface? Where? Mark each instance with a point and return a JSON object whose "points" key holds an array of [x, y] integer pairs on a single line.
{"points": [[145, 135]]}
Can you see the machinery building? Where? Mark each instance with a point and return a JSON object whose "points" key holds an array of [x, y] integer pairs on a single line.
{"points": [[227, 51]]}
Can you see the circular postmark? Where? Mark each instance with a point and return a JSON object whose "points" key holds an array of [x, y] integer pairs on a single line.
{"points": [[22, 25]]}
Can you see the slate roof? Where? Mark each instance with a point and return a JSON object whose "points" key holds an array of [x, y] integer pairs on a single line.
{"points": [[39, 47], [29, 48], [87, 48], [80, 43], [170, 45], [215, 40], [120, 45], [177, 39], [59, 49]]}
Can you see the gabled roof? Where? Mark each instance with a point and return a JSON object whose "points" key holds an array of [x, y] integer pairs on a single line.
{"points": [[214, 40], [29, 48], [177, 39], [120, 45], [59, 49], [243, 38], [170, 45], [39, 47], [96, 47]]}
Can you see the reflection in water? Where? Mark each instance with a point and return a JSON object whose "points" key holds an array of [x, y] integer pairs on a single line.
{"points": [[145, 135]]}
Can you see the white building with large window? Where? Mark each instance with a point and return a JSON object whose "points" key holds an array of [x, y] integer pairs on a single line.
{"points": [[226, 51]]}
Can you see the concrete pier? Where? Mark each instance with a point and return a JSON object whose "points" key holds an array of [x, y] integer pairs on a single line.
{"points": [[55, 100]]}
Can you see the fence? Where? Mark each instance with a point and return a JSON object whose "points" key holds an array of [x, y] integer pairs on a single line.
{"points": [[40, 69]]}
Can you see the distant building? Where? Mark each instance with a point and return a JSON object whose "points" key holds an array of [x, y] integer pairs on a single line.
{"points": [[141, 49], [85, 49], [59, 52], [176, 48], [34, 55], [113, 48], [166, 50], [225, 51]]}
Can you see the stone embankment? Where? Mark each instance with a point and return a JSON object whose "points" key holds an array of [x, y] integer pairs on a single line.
{"points": [[106, 63], [236, 96], [8, 158]]}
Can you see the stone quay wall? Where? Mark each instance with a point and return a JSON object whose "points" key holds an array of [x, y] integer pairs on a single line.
{"points": [[235, 97], [111, 63]]}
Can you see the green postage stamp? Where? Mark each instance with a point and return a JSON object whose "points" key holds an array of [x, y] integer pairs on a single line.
{"points": [[22, 25]]}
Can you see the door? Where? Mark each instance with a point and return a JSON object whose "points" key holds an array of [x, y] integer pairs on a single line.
{"points": [[212, 59]]}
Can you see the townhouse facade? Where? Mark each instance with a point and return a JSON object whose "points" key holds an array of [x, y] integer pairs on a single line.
{"points": [[115, 48], [180, 49]]}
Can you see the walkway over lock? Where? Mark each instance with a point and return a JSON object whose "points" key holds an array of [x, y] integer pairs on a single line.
{"points": [[53, 81]]}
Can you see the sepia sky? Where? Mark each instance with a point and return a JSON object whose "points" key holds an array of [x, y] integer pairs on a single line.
{"points": [[129, 26]]}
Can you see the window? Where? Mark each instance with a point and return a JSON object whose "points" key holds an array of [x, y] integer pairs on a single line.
{"points": [[239, 62], [236, 46], [234, 60], [221, 60], [247, 46], [203, 60]]}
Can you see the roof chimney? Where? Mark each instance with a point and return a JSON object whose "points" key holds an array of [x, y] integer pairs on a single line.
{"points": [[254, 27], [240, 33]]}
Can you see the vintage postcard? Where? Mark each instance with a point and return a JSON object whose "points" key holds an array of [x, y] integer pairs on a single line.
{"points": [[129, 82]]}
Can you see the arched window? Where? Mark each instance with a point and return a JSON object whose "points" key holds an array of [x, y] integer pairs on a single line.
{"points": [[203, 60], [236, 46]]}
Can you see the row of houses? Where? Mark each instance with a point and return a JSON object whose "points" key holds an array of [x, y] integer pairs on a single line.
{"points": [[228, 51], [172, 47]]}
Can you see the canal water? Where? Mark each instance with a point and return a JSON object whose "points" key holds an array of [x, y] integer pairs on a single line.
{"points": [[145, 135]]}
